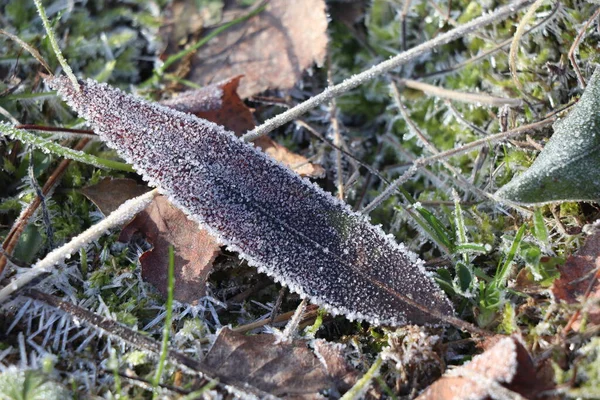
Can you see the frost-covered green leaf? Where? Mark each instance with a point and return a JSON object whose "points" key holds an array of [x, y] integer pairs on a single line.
{"points": [[567, 169], [29, 385]]}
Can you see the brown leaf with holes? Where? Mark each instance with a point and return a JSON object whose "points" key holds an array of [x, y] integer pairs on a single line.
{"points": [[110, 193], [579, 277], [163, 224], [283, 369], [220, 103], [272, 49], [500, 372]]}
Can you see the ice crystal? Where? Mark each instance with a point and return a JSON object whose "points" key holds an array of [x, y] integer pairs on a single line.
{"points": [[285, 226]]}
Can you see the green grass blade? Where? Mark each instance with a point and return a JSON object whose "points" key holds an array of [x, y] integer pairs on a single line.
{"points": [[55, 148], [502, 275], [167, 328]]}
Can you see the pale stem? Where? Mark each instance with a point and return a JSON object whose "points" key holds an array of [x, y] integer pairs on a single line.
{"points": [[384, 67], [55, 46], [514, 46], [472, 98], [119, 217]]}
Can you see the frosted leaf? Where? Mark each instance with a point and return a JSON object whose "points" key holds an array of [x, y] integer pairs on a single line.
{"points": [[567, 168], [31, 385], [280, 223]]}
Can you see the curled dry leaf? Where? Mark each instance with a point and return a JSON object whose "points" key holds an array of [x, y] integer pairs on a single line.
{"points": [[503, 370], [110, 193], [283, 369], [578, 280], [195, 249], [280, 223], [271, 49], [221, 104]]}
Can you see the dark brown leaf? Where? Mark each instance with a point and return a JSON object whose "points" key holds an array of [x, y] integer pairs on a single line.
{"points": [[271, 49], [288, 370], [504, 369], [110, 193], [195, 249], [221, 104], [579, 275]]}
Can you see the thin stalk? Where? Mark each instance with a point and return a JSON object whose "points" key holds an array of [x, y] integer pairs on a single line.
{"points": [[514, 46], [55, 148], [362, 385], [168, 317], [11, 240], [470, 98], [61, 59], [36, 54], [116, 218], [384, 67], [575, 45]]}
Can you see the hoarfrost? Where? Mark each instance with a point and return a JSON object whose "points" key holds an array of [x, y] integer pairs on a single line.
{"points": [[285, 226], [567, 168]]}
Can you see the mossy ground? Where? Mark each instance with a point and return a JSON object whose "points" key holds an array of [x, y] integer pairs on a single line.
{"points": [[119, 47]]}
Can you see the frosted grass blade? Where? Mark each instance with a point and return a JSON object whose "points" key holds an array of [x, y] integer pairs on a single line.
{"points": [[286, 226]]}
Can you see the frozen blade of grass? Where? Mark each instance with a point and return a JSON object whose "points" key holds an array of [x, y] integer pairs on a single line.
{"points": [[55, 148], [287, 227], [502, 274], [118, 217], [55, 46]]}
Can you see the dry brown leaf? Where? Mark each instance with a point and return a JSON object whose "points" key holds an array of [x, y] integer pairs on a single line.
{"points": [[110, 193], [220, 103], [579, 275], [287, 370], [332, 357], [503, 370], [183, 22], [271, 49], [195, 249]]}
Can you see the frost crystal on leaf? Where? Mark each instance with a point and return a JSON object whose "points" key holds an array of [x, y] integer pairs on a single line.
{"points": [[567, 168], [285, 226]]}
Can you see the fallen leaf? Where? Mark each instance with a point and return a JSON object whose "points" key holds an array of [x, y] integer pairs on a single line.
{"points": [[283, 369], [184, 21], [163, 224], [576, 276], [221, 104], [331, 356], [567, 168], [282, 224], [271, 49], [110, 193], [503, 370], [218, 103]]}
